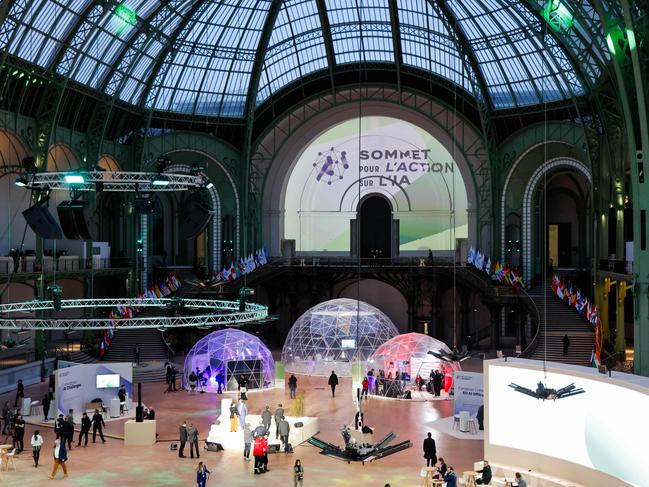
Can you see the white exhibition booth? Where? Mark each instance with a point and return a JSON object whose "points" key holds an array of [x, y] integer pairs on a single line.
{"points": [[79, 385], [597, 438]]}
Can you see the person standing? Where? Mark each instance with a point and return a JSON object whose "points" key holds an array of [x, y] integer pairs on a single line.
{"points": [[37, 443], [566, 344], [219, 381], [366, 387], [333, 382], [266, 418], [58, 426], [6, 416], [46, 406], [97, 424], [298, 473], [168, 375], [233, 418], [20, 393], [279, 413], [60, 457], [19, 433], [182, 430], [284, 429], [247, 442], [202, 474], [292, 386], [85, 428], [242, 409], [121, 393], [192, 435], [136, 354], [264, 458], [172, 379], [430, 451], [68, 428], [258, 454]]}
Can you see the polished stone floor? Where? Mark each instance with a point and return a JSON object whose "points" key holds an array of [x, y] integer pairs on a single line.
{"points": [[113, 464]]}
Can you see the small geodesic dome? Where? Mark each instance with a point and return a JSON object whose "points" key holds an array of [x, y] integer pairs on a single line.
{"points": [[408, 353], [333, 335], [231, 353]]}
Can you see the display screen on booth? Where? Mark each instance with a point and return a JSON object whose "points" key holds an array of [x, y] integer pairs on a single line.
{"points": [[105, 381], [383, 156], [604, 428], [347, 343]]}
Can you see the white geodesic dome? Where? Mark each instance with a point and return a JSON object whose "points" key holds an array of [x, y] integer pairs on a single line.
{"points": [[408, 353], [233, 353], [333, 335]]}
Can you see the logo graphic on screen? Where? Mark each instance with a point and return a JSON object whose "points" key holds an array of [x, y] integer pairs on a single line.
{"points": [[105, 381], [331, 165]]}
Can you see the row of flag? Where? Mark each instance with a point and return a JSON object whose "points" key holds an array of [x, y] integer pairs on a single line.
{"points": [[573, 297], [242, 267], [159, 289], [501, 272]]}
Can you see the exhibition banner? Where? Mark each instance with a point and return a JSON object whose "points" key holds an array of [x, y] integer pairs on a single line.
{"points": [[469, 391], [77, 385]]}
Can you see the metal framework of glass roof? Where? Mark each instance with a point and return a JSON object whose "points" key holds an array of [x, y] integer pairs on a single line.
{"points": [[198, 56]]}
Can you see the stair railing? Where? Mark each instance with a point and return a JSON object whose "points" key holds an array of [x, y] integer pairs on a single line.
{"points": [[170, 351]]}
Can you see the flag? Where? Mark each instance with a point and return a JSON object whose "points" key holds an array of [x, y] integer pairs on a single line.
{"points": [[470, 257], [102, 349], [487, 267]]}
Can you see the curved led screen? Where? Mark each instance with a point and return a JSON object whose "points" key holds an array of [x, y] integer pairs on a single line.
{"points": [[392, 158], [605, 428]]}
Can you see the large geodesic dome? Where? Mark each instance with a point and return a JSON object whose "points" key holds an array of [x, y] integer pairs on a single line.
{"points": [[226, 355], [333, 335], [408, 354]]}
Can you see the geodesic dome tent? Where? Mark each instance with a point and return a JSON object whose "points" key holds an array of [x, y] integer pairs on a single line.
{"points": [[408, 353], [333, 335], [232, 353]]}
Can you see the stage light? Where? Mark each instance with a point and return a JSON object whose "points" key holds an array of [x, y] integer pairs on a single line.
{"points": [[160, 180], [208, 184], [55, 292], [21, 182], [162, 163], [74, 179], [244, 292]]}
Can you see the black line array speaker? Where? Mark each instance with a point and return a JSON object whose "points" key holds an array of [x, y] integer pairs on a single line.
{"points": [[76, 220], [209, 446], [41, 221], [194, 215]]}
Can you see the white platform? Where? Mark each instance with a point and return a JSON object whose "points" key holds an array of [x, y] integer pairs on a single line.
{"points": [[139, 434], [445, 425], [534, 479]]}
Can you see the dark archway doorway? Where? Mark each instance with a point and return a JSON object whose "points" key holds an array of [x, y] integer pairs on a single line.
{"points": [[375, 227]]}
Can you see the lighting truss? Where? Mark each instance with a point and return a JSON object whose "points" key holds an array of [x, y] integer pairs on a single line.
{"points": [[124, 181], [217, 313]]}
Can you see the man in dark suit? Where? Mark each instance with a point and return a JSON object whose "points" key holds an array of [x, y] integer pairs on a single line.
{"points": [[85, 428], [97, 423], [430, 451], [333, 382], [183, 439]]}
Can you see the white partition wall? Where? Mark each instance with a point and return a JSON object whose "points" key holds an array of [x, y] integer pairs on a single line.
{"points": [[596, 438]]}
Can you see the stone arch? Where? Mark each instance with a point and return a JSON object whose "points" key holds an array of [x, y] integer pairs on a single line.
{"points": [[61, 157]]}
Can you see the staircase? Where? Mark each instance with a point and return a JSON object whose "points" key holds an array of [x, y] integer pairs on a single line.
{"points": [[81, 358], [561, 320], [152, 347]]}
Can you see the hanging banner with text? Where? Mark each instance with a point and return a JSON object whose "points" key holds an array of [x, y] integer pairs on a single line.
{"points": [[469, 391]]}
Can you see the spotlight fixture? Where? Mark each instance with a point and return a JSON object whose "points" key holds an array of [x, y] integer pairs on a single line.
{"points": [[208, 184], [55, 291], [160, 180], [21, 181], [74, 178], [545, 393], [162, 163], [454, 356]]}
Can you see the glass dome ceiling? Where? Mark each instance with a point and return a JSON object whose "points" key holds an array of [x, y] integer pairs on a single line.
{"points": [[200, 56]]}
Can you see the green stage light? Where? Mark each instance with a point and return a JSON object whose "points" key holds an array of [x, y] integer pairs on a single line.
{"points": [[74, 179], [123, 18], [558, 16]]}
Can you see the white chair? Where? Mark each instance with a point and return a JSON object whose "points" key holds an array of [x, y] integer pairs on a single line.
{"points": [[10, 459]]}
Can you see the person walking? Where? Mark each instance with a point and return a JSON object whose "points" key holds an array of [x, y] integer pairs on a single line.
{"points": [[258, 454], [19, 433], [46, 406], [430, 451], [279, 414], [20, 393], [97, 424], [58, 426], [182, 430], [60, 457], [247, 442], [264, 458], [202, 474], [333, 382], [85, 429], [242, 409], [192, 435], [566, 344], [298, 473], [284, 429], [37, 443], [292, 386], [68, 429], [136, 354], [234, 421], [266, 418]]}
